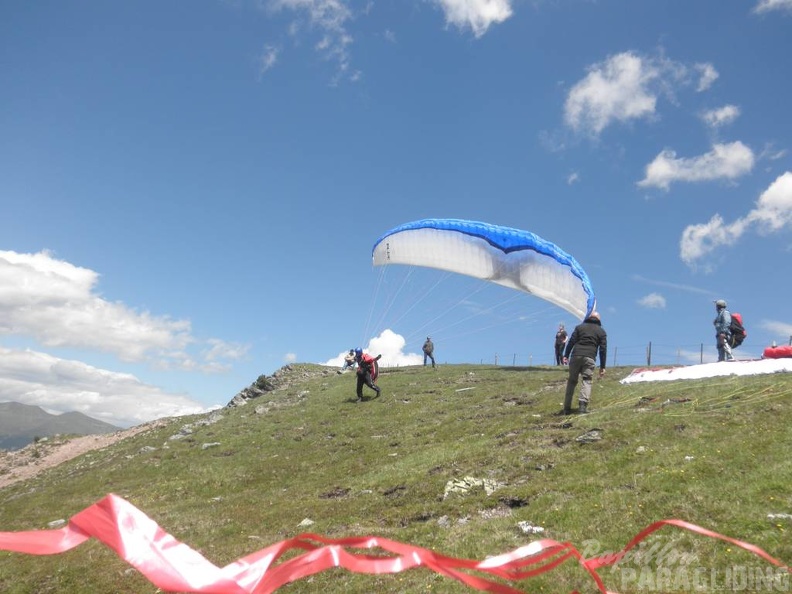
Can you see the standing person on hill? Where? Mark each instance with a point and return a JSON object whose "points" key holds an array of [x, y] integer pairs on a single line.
{"points": [[722, 323], [367, 372], [587, 339], [560, 343], [428, 350]]}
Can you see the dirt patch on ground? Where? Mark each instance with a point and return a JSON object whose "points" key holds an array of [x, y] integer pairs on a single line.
{"points": [[20, 465]]}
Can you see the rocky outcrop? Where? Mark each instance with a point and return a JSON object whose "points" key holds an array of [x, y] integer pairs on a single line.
{"points": [[284, 378]]}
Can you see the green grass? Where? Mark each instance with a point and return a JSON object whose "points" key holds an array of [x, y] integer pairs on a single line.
{"points": [[712, 452]]}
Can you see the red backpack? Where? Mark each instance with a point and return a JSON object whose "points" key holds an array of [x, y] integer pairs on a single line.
{"points": [[737, 330]]}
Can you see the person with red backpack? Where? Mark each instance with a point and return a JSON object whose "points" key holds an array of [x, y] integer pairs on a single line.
{"points": [[722, 323], [367, 372]]}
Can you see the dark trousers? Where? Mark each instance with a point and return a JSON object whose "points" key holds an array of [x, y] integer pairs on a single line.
{"points": [[365, 379], [559, 352], [430, 356]]}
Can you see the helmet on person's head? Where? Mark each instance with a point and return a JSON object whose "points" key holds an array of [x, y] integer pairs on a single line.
{"points": [[720, 303], [595, 315], [358, 352]]}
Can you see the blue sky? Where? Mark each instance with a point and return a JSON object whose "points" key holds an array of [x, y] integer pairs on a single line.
{"points": [[191, 189]]}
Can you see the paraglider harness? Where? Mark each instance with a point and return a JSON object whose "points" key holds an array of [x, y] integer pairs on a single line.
{"points": [[371, 366], [737, 331]]}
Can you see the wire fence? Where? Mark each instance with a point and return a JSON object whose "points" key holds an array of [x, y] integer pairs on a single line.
{"points": [[639, 355]]}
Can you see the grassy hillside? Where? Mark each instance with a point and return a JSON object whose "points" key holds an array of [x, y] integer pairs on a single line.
{"points": [[712, 452]]}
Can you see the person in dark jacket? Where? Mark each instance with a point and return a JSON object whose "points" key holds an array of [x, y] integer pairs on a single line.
{"points": [[428, 350], [588, 339], [367, 372], [560, 343]]}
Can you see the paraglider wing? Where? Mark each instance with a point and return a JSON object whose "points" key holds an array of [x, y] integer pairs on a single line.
{"points": [[510, 257]]}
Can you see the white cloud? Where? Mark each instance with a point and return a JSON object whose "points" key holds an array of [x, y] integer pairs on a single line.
{"points": [[626, 87], [721, 116], [330, 15], [773, 212], [699, 240], [782, 329], [290, 357], [724, 161], [708, 75], [478, 15], [573, 178], [617, 89], [667, 284], [60, 385], [330, 18], [772, 154], [388, 344], [768, 5], [653, 301], [56, 303], [268, 59]]}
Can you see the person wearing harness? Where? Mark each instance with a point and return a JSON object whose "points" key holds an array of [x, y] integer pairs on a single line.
{"points": [[722, 323], [367, 372]]}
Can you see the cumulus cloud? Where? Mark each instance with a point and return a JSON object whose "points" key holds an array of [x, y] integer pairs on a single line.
{"points": [[653, 301], [618, 89], [476, 15], [60, 385], [721, 116], [388, 344], [626, 87], [699, 240], [573, 178], [724, 161], [56, 303], [768, 5], [773, 212]]}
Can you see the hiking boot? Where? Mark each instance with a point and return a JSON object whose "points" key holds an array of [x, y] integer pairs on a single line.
{"points": [[583, 408]]}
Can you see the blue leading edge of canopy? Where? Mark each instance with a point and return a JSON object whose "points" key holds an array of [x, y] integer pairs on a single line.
{"points": [[506, 239]]}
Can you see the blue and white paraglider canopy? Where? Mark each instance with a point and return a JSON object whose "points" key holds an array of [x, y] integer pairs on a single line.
{"points": [[510, 257]]}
